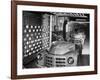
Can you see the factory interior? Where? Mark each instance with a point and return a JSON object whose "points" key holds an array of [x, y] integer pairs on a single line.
{"points": [[49, 39]]}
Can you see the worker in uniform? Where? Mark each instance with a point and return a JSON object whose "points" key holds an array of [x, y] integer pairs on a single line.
{"points": [[79, 38]]}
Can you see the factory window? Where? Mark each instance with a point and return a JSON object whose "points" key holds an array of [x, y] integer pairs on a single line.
{"points": [[36, 33]]}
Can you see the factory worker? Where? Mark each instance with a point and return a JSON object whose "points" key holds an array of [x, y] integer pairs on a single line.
{"points": [[79, 39]]}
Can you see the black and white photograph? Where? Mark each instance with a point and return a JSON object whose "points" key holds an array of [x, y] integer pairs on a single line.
{"points": [[55, 39]]}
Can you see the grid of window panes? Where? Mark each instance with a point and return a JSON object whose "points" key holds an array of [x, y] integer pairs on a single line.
{"points": [[35, 39]]}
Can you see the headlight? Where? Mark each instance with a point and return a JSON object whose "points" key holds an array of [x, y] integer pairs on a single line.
{"points": [[39, 57], [70, 60]]}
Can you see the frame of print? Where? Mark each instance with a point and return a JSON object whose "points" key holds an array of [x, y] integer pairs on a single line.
{"points": [[53, 39]]}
